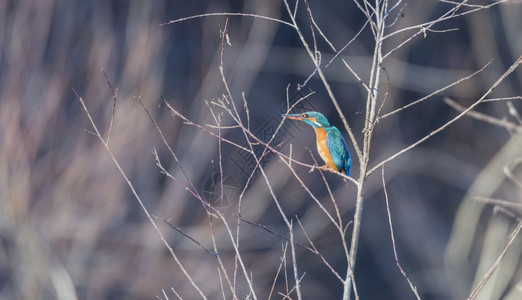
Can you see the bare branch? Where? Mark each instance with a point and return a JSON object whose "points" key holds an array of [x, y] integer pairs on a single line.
{"points": [[282, 261], [185, 234], [317, 251], [474, 294], [499, 80], [303, 185], [227, 15], [483, 117], [504, 99], [509, 173], [423, 28], [142, 205], [192, 188], [436, 92], [465, 4], [114, 97], [500, 202], [392, 235]]}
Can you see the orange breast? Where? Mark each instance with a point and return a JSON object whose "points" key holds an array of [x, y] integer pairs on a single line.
{"points": [[320, 136]]}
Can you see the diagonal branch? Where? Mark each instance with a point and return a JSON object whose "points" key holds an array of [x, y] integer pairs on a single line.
{"points": [[463, 113], [436, 92], [483, 117], [135, 193], [392, 235], [474, 294]]}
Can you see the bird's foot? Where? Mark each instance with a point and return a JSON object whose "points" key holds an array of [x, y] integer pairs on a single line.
{"points": [[324, 167]]}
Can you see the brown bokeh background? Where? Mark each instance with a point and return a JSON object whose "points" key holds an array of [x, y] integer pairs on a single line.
{"points": [[70, 227]]}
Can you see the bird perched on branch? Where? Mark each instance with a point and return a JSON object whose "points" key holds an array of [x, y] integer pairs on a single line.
{"points": [[330, 142]]}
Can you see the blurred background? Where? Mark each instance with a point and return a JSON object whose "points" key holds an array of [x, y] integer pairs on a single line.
{"points": [[71, 229]]}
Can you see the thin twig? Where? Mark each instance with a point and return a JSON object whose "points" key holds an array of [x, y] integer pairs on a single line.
{"points": [[192, 188], [436, 92], [338, 53], [114, 97], [265, 177], [499, 80], [228, 15], [310, 20], [189, 122], [386, 94], [313, 73], [474, 294], [276, 234], [502, 210], [392, 235], [514, 112], [238, 120], [503, 99], [509, 173], [483, 117], [466, 4], [135, 193], [303, 185], [317, 251], [334, 202], [500, 202], [398, 15], [221, 284], [158, 162], [176, 293], [220, 262], [217, 119], [278, 270], [185, 234], [294, 287], [423, 28]]}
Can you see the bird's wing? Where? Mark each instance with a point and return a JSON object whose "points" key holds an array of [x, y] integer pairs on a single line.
{"points": [[338, 150]]}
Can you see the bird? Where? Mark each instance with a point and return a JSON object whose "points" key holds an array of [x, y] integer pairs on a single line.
{"points": [[330, 142]]}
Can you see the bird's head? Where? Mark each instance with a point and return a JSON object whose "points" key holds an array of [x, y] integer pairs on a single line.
{"points": [[313, 118]]}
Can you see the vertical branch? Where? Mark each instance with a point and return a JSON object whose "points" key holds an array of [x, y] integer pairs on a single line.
{"points": [[236, 248], [371, 104], [218, 119]]}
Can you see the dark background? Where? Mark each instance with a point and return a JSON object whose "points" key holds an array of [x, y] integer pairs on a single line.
{"points": [[70, 227]]}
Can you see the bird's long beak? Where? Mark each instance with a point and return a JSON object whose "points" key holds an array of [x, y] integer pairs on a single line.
{"points": [[294, 117]]}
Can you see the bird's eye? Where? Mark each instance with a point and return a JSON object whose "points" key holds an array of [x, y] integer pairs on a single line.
{"points": [[305, 115]]}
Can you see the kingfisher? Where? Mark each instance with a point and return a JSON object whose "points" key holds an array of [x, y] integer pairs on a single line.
{"points": [[330, 142]]}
